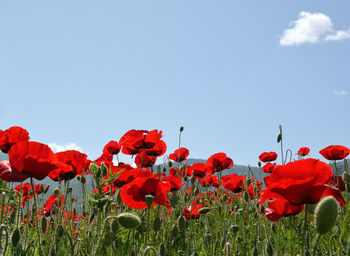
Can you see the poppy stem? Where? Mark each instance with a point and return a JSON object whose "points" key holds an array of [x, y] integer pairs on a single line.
{"points": [[281, 143], [35, 215]]}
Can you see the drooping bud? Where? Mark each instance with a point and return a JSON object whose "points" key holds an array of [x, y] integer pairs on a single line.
{"points": [[16, 236], [193, 179], [181, 223], [170, 164], [115, 226], [279, 138], [162, 249], [181, 128], [104, 169], [83, 179], [234, 228], [129, 220], [174, 231], [269, 249], [326, 214], [204, 210], [227, 249], [259, 164], [60, 231], [43, 224], [46, 189]]}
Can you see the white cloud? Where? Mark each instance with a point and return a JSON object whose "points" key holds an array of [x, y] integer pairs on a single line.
{"points": [[338, 35], [312, 28], [340, 93], [58, 148]]}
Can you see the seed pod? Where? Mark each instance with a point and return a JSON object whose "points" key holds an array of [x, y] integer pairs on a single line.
{"points": [[162, 249], [156, 224], [181, 223], [326, 214], [115, 226], [129, 220], [43, 224], [234, 228], [149, 200], [16, 236]]}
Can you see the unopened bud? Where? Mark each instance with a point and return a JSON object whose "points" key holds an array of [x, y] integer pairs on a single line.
{"points": [[156, 224], [162, 249], [104, 169], [47, 188], [115, 226], [129, 220], [204, 210], [181, 128], [326, 214], [16, 236], [181, 223], [56, 191], [174, 231]]}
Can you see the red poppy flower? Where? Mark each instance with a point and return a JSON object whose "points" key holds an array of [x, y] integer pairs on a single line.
{"points": [[268, 168], [191, 212], [133, 194], [198, 170], [278, 208], [335, 152], [129, 175], [299, 182], [233, 182], [268, 157], [144, 160], [303, 151], [72, 162], [134, 141], [10, 174], [174, 181], [219, 162], [52, 202], [111, 148], [11, 136], [33, 159], [209, 180], [179, 155]]}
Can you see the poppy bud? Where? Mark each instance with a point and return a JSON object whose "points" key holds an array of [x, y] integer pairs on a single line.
{"points": [[149, 200], [56, 191], [269, 249], [170, 164], [42, 187], [164, 169], [259, 164], [78, 178], [82, 179], [204, 210], [93, 168], [162, 249], [60, 231], [43, 224], [115, 226], [185, 178], [193, 179], [174, 231], [129, 220], [196, 191], [181, 223], [119, 199], [156, 224], [279, 138], [104, 169], [47, 188], [181, 128], [16, 236], [326, 214]]}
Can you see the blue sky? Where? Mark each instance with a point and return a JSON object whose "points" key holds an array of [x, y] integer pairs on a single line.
{"points": [[230, 72]]}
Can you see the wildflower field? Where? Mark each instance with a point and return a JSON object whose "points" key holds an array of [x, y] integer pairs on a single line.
{"points": [[300, 207]]}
